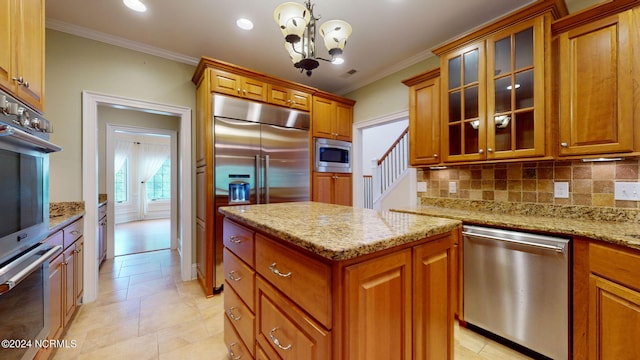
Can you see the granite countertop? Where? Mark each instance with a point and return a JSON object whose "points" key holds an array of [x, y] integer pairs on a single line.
{"points": [[586, 222], [62, 214], [338, 232]]}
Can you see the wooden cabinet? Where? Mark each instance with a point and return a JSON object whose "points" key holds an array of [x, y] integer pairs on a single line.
{"points": [[285, 96], [494, 87], [493, 95], [606, 301], [378, 296], [237, 85], [332, 188], [102, 233], [424, 118], [66, 280], [597, 95], [240, 288], [396, 304], [22, 60], [332, 117]]}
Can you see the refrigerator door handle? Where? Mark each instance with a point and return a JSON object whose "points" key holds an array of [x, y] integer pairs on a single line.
{"points": [[258, 179], [266, 179]]}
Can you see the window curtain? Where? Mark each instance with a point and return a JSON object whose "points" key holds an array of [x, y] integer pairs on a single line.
{"points": [[121, 153], [150, 158]]}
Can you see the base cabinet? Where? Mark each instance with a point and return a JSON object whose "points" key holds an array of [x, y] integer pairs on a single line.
{"points": [[66, 281], [396, 304], [606, 301], [332, 188], [102, 233]]}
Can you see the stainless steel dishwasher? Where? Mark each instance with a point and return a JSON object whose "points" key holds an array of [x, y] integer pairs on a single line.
{"points": [[516, 285]]}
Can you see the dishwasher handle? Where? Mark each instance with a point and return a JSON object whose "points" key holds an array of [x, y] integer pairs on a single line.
{"points": [[559, 249]]}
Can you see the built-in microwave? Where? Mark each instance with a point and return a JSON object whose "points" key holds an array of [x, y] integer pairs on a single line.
{"points": [[332, 155]]}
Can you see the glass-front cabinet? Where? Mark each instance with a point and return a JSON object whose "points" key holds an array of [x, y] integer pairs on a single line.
{"points": [[494, 96]]}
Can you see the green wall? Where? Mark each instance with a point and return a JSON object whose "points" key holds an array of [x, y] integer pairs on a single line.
{"points": [[387, 95], [74, 64]]}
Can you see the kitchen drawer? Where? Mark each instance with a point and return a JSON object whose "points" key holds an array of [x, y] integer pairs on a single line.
{"points": [[305, 280], [239, 240], [616, 264], [235, 347], [55, 239], [73, 232], [240, 277], [286, 329], [240, 317]]}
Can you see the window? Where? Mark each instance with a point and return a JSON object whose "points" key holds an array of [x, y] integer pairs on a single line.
{"points": [[121, 183], [159, 186]]}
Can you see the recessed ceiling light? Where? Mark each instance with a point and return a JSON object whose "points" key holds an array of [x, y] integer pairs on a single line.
{"points": [[135, 5], [244, 24]]}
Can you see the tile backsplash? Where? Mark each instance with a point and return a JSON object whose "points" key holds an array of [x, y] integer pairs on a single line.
{"points": [[590, 184]]}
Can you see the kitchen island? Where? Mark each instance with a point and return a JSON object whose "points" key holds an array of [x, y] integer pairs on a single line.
{"points": [[317, 281]]}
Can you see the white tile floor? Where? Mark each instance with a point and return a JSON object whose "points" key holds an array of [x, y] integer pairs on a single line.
{"points": [[144, 311]]}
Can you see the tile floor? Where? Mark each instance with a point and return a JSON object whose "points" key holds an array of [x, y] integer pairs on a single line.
{"points": [[141, 236], [144, 311]]}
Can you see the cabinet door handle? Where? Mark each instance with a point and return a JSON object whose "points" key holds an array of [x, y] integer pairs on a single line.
{"points": [[481, 151], [275, 340], [77, 251], [232, 355], [435, 156], [564, 144], [274, 270], [232, 315], [235, 239], [232, 276], [489, 150]]}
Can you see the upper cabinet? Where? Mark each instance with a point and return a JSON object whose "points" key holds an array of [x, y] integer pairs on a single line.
{"points": [[598, 86], [494, 103], [237, 85], [424, 118], [22, 66], [284, 96], [493, 87], [332, 116]]}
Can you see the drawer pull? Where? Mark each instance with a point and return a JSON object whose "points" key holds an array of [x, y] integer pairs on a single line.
{"points": [[232, 355], [235, 239], [232, 315], [275, 340], [75, 232], [232, 276], [274, 270]]}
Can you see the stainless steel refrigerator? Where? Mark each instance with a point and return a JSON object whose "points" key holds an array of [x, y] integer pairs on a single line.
{"points": [[261, 156]]}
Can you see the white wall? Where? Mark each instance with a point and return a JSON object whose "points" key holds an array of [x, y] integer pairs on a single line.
{"points": [[376, 141]]}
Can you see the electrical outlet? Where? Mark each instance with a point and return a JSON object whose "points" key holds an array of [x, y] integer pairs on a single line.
{"points": [[422, 186], [561, 190], [453, 187], [627, 191]]}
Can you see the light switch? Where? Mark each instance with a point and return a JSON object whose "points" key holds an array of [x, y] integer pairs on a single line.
{"points": [[453, 187], [627, 191], [422, 186], [561, 189]]}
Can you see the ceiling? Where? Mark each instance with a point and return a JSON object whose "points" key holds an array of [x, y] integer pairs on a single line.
{"points": [[387, 36]]}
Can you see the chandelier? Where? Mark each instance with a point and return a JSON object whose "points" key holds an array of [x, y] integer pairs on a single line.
{"points": [[298, 25]]}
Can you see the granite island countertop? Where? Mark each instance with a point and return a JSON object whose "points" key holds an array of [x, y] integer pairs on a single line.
{"points": [[338, 232], [609, 225]]}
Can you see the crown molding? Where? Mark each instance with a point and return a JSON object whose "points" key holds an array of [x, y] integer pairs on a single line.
{"points": [[389, 70], [118, 41]]}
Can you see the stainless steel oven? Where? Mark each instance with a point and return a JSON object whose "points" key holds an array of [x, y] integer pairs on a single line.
{"points": [[24, 224], [332, 156], [24, 302]]}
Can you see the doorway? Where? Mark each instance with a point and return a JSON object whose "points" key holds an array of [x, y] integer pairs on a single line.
{"points": [[90, 102], [141, 180]]}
